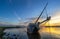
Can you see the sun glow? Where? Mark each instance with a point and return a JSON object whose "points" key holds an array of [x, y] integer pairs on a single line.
{"points": [[55, 21]]}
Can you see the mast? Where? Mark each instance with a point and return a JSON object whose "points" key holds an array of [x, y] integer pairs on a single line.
{"points": [[41, 13]]}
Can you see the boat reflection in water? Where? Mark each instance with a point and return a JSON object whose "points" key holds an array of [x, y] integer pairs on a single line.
{"points": [[34, 36], [22, 34]]}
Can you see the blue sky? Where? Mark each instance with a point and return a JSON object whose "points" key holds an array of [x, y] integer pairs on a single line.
{"points": [[14, 10]]}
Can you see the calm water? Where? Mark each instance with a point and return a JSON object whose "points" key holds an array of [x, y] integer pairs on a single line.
{"points": [[21, 33]]}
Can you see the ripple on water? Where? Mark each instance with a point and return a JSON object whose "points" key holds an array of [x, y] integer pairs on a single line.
{"points": [[20, 33]]}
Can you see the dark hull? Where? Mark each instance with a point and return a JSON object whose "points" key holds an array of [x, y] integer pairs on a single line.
{"points": [[34, 35]]}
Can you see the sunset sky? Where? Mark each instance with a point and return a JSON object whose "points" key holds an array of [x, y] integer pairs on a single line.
{"points": [[15, 11], [23, 11]]}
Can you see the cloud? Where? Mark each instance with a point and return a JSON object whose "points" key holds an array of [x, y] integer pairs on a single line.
{"points": [[17, 16], [29, 20], [56, 15], [33, 18]]}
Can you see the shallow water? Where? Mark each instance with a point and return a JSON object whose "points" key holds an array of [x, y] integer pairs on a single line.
{"points": [[21, 33]]}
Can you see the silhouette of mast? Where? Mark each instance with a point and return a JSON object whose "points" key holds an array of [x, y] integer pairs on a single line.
{"points": [[41, 13]]}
